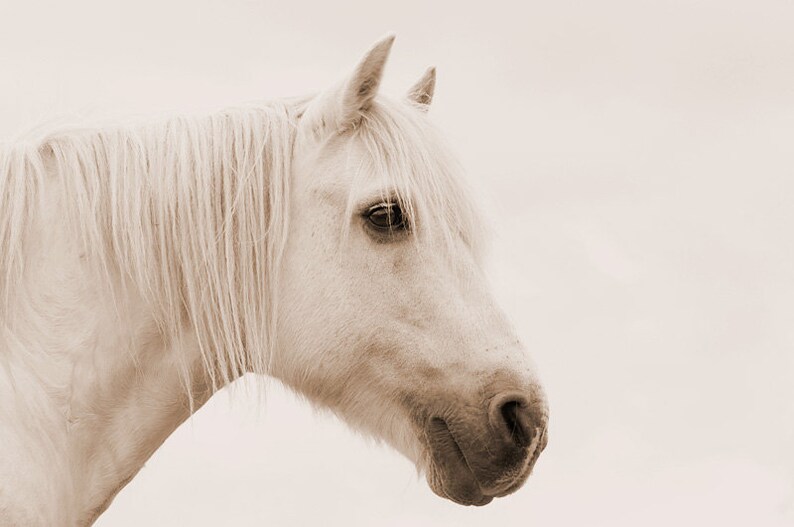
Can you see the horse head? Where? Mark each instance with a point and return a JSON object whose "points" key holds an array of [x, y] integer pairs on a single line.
{"points": [[384, 313]]}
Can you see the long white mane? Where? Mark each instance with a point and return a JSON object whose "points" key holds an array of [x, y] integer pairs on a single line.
{"points": [[193, 211]]}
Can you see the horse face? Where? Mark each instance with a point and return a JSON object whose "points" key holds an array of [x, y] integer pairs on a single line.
{"points": [[385, 316]]}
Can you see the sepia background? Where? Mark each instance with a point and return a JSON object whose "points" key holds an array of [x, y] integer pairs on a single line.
{"points": [[636, 157]]}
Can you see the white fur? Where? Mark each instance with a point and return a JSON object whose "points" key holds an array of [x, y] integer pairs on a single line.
{"points": [[144, 267]]}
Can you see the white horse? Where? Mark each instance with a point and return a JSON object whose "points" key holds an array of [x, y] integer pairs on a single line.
{"points": [[327, 242]]}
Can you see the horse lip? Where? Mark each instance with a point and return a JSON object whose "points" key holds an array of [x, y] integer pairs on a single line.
{"points": [[516, 483], [447, 453]]}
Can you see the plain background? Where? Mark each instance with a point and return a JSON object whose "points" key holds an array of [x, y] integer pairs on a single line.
{"points": [[637, 159]]}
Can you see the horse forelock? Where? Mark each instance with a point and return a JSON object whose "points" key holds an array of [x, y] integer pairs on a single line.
{"points": [[406, 150]]}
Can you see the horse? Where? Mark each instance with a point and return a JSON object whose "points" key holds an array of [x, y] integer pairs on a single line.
{"points": [[328, 241]]}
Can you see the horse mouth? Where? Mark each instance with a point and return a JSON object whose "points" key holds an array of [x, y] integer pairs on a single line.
{"points": [[451, 475]]}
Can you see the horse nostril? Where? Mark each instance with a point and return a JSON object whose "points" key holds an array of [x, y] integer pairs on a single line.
{"points": [[512, 416], [511, 413]]}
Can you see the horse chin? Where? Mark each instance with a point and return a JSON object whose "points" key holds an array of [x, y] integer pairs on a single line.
{"points": [[461, 490]]}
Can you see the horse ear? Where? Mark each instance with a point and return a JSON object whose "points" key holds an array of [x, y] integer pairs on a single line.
{"points": [[422, 92], [361, 88]]}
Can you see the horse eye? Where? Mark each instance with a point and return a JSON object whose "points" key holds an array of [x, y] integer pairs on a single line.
{"points": [[387, 217]]}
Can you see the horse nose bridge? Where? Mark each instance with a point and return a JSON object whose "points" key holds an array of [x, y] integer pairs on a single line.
{"points": [[464, 301]]}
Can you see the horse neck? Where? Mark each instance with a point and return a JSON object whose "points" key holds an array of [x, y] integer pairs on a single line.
{"points": [[89, 387]]}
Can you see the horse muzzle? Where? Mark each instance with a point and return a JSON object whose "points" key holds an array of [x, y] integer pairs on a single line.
{"points": [[477, 456]]}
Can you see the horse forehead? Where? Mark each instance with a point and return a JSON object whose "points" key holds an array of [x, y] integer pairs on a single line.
{"points": [[325, 165], [336, 175], [332, 193]]}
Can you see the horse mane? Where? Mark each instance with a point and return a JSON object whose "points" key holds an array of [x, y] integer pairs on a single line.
{"points": [[193, 211]]}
